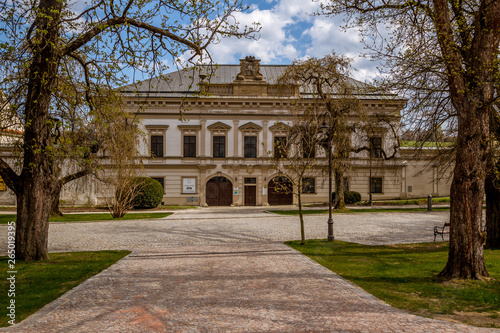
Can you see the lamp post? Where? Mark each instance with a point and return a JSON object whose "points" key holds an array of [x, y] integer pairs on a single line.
{"points": [[325, 129]]}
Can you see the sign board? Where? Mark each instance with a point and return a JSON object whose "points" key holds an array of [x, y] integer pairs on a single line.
{"points": [[3, 187], [188, 185], [235, 191]]}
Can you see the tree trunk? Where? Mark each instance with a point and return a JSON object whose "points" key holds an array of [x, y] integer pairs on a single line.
{"points": [[492, 212], [339, 190], [32, 227], [54, 208], [465, 257], [301, 217], [36, 195]]}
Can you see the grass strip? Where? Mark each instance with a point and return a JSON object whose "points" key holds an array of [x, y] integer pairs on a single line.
{"points": [[4, 218], [405, 277], [40, 282], [363, 210]]}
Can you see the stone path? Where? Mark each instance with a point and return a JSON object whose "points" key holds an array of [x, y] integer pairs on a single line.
{"points": [[214, 283]]}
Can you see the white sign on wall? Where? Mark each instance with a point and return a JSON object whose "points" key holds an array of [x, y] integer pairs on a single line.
{"points": [[188, 185]]}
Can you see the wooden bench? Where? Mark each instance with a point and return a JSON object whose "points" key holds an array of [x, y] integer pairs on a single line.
{"points": [[442, 230]]}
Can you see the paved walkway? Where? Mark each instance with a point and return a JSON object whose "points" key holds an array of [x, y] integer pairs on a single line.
{"points": [[220, 282]]}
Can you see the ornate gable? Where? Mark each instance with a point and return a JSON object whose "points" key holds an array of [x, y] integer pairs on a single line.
{"points": [[279, 127], [250, 127], [219, 126]]}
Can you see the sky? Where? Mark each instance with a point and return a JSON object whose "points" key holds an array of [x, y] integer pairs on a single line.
{"points": [[289, 31]]}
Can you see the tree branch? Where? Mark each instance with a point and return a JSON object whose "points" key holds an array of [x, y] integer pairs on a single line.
{"points": [[9, 177], [98, 29], [74, 176]]}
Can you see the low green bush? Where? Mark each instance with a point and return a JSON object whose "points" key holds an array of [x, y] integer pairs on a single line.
{"points": [[150, 195], [350, 197]]}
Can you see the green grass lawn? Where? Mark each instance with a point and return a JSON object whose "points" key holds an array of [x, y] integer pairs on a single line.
{"points": [[367, 210], [38, 283], [4, 218], [421, 201], [405, 277]]}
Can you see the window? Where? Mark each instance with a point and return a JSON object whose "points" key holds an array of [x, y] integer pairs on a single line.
{"points": [[157, 135], [160, 180], [308, 185], [376, 146], [308, 149], [250, 146], [219, 146], [375, 185], [157, 145], [345, 180], [189, 146], [280, 147], [250, 180]]}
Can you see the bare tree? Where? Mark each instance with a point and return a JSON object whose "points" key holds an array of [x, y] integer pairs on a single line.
{"points": [[444, 55], [295, 158]]}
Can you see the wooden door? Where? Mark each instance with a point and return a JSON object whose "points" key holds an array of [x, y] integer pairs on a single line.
{"points": [[219, 192], [250, 196], [280, 192]]}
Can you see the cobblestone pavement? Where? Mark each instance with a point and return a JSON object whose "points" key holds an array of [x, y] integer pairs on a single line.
{"points": [[228, 275]]}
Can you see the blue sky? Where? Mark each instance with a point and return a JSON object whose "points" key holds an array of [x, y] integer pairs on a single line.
{"points": [[288, 32]]}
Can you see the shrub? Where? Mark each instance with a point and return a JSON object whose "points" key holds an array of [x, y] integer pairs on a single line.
{"points": [[350, 197], [150, 194]]}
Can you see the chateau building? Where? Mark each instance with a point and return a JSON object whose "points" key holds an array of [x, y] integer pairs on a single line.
{"points": [[210, 135], [217, 151]]}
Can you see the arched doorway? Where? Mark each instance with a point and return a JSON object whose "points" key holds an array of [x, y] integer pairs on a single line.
{"points": [[219, 192], [280, 191]]}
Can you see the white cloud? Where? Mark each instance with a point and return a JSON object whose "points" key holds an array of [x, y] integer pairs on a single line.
{"points": [[289, 32]]}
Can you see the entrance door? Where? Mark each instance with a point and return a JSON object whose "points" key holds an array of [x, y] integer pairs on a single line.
{"points": [[219, 192], [280, 191], [250, 196]]}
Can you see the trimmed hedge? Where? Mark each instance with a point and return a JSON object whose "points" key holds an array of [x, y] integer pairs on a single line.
{"points": [[150, 195], [350, 197]]}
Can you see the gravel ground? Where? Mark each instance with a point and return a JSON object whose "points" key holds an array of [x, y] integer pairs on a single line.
{"points": [[236, 225]]}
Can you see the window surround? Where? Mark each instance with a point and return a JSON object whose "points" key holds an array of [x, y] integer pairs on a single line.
{"points": [[159, 130], [250, 129], [190, 130], [381, 185], [218, 129], [279, 129], [313, 183]]}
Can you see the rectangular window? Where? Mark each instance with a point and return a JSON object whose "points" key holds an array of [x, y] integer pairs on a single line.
{"points": [[157, 145], [219, 146], [250, 180], [250, 146], [308, 185], [376, 185], [280, 147], [308, 149], [376, 147], [160, 180], [189, 146], [345, 180]]}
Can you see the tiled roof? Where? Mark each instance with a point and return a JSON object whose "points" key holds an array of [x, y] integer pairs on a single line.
{"points": [[185, 82]]}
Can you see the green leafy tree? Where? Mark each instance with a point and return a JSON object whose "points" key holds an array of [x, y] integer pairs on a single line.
{"points": [[444, 56], [59, 65]]}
